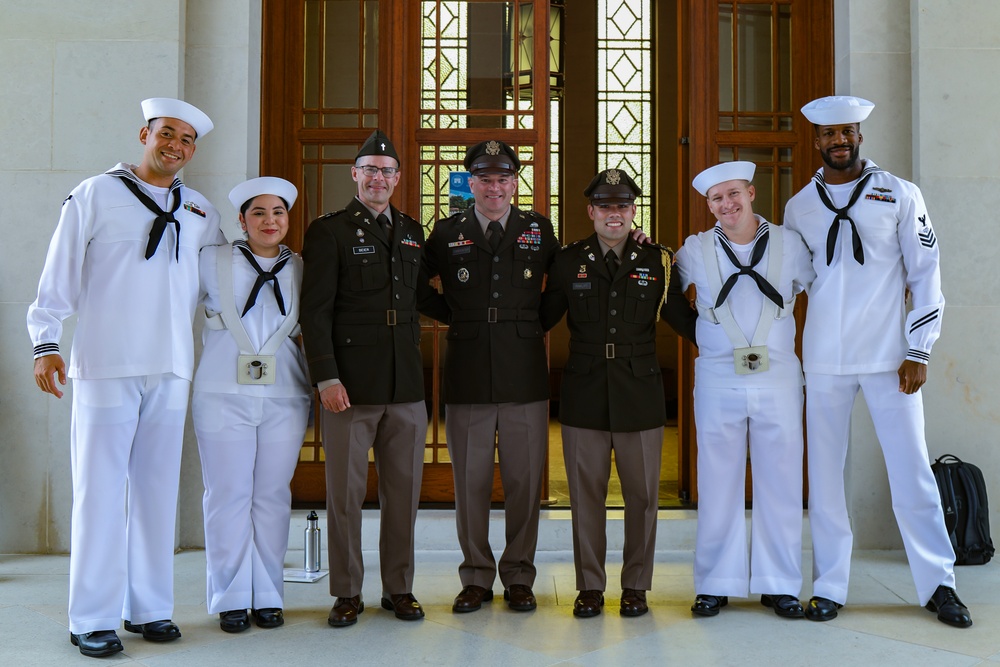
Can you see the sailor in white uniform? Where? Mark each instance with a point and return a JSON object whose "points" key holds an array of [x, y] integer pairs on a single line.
{"points": [[124, 260], [872, 243], [250, 407], [748, 388]]}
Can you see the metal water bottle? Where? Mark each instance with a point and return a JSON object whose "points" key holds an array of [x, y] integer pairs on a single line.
{"points": [[312, 534]]}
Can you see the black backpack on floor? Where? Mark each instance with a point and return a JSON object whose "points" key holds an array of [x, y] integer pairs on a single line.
{"points": [[966, 511]]}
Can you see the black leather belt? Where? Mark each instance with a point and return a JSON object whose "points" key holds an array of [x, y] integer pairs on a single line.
{"points": [[387, 317], [492, 315], [613, 350]]}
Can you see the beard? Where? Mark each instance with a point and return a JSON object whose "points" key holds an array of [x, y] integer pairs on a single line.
{"points": [[841, 164]]}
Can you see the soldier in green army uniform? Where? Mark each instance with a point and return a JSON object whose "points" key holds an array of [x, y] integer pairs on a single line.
{"points": [[612, 390], [362, 339], [491, 260]]}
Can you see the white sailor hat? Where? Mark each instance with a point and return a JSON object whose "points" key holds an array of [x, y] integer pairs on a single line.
{"points": [[720, 173], [265, 185], [837, 110], [167, 107]]}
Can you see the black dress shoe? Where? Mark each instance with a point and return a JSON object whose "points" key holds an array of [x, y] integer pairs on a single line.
{"points": [[234, 620], [633, 602], [156, 631], [471, 599], [519, 597], [821, 609], [709, 605], [786, 606], [97, 644], [405, 606], [345, 611], [949, 608], [268, 617], [588, 604]]}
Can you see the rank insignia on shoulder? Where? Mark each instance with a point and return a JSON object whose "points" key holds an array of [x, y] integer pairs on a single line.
{"points": [[331, 214], [193, 208]]}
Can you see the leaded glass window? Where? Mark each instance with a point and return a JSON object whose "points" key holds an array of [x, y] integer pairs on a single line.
{"points": [[625, 94]]}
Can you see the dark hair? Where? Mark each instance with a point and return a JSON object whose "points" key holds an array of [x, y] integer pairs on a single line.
{"points": [[246, 204]]}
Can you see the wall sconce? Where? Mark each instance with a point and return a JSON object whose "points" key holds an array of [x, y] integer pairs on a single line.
{"points": [[520, 39]]}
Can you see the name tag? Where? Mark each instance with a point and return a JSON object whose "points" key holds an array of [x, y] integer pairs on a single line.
{"points": [[581, 286], [750, 360], [364, 250], [464, 250], [255, 369]]}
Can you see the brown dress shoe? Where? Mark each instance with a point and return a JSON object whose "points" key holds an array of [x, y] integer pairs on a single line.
{"points": [[633, 602], [588, 604], [345, 611], [519, 597], [405, 605], [471, 599]]}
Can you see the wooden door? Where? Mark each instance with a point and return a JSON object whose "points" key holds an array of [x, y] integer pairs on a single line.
{"points": [[436, 76], [748, 67]]}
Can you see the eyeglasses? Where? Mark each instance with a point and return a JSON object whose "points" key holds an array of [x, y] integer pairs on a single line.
{"points": [[387, 172]]}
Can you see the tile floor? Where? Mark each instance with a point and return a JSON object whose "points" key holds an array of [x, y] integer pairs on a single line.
{"points": [[880, 626]]}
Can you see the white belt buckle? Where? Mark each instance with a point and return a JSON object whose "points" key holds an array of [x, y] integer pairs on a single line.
{"points": [[255, 369], [750, 360]]}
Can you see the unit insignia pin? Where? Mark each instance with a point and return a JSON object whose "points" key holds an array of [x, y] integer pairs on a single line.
{"points": [[527, 274], [463, 275]]}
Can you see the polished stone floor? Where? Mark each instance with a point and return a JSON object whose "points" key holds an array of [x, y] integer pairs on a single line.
{"points": [[881, 625]]}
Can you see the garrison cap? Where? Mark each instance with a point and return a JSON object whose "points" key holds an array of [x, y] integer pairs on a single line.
{"points": [[612, 185], [720, 173], [167, 107], [837, 110], [491, 156], [378, 144]]}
